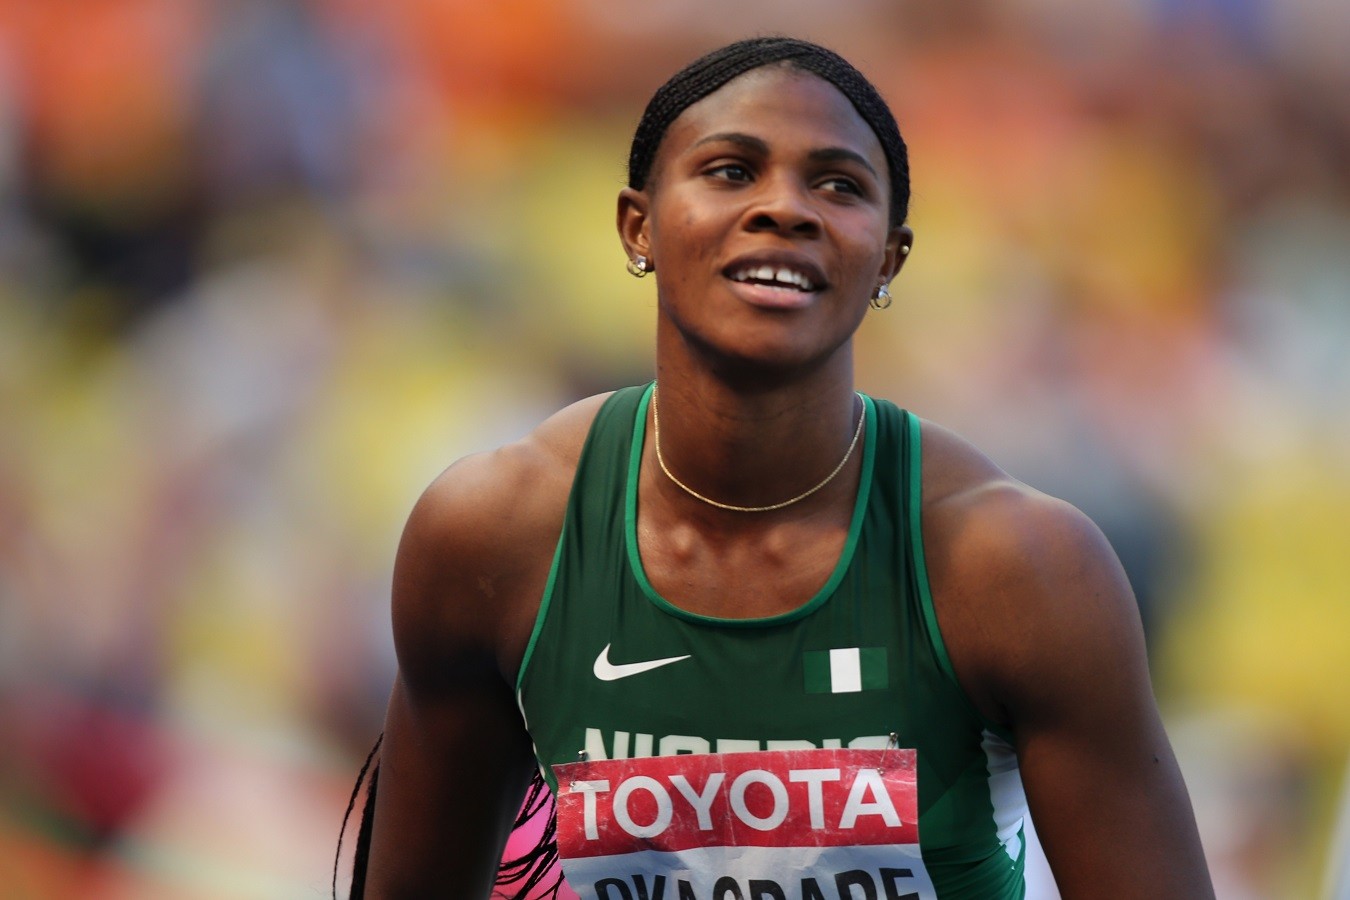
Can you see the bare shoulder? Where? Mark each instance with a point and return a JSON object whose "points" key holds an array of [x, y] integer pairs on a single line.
{"points": [[1044, 635], [1026, 585], [467, 583], [475, 551]]}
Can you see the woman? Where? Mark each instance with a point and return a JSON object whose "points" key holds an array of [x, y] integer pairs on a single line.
{"points": [[772, 638]]}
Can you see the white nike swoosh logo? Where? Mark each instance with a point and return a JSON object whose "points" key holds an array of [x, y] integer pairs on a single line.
{"points": [[608, 671]]}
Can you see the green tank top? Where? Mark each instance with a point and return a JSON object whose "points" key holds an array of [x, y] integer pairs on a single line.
{"points": [[614, 672]]}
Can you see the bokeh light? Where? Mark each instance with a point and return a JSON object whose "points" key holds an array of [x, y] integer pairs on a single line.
{"points": [[268, 266]]}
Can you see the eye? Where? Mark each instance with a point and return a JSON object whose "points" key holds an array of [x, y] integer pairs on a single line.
{"points": [[729, 172], [840, 185]]}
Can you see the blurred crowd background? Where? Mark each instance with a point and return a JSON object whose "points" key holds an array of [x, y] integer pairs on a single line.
{"points": [[267, 266]]}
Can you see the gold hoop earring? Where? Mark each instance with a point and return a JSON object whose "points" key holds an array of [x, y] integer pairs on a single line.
{"points": [[639, 267], [881, 298]]}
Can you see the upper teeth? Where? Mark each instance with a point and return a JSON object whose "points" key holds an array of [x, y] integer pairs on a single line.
{"points": [[769, 273]]}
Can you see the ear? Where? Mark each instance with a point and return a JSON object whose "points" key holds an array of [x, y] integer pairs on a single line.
{"points": [[634, 232], [899, 241]]}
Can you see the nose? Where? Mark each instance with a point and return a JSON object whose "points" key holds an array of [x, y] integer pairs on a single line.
{"points": [[781, 205]]}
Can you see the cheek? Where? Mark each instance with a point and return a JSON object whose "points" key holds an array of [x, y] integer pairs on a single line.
{"points": [[685, 241], [864, 247], [683, 227]]}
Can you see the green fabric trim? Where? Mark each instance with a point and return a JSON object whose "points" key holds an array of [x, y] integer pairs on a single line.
{"points": [[921, 575], [544, 603], [916, 546], [550, 586], [840, 569]]}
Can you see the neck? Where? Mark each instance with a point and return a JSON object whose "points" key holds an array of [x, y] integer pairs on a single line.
{"points": [[754, 448]]}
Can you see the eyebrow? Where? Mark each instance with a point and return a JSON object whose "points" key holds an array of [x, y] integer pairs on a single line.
{"points": [[749, 142], [758, 145], [836, 154]]}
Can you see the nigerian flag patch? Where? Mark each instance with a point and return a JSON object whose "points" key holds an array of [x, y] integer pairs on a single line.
{"points": [[845, 670]]}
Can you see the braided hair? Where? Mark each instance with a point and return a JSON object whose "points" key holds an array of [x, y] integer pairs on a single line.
{"points": [[708, 73]]}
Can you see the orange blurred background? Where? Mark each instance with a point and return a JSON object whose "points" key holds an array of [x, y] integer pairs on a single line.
{"points": [[267, 266]]}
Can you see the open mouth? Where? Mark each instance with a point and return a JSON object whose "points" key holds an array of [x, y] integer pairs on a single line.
{"points": [[784, 277], [777, 279]]}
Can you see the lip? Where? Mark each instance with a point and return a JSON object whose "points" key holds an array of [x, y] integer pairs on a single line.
{"points": [[776, 297]]}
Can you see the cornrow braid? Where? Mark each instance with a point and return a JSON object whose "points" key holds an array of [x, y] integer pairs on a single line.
{"points": [[708, 73]]}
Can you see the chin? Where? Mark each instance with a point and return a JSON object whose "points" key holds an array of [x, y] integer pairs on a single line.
{"points": [[767, 361]]}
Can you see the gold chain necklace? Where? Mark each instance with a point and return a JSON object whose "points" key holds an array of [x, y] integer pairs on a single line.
{"points": [[660, 460]]}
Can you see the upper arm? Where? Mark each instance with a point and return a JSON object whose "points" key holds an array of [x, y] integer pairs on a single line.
{"points": [[1045, 635], [1102, 782], [455, 759], [470, 571]]}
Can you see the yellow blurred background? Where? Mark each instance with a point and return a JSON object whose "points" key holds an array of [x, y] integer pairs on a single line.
{"points": [[267, 266]]}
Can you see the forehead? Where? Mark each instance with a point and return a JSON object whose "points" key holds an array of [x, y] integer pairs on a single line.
{"points": [[784, 106]]}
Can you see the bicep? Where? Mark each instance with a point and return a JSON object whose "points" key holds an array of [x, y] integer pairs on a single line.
{"points": [[456, 758], [1103, 785]]}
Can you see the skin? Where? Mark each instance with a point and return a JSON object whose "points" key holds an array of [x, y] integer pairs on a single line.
{"points": [[1037, 614]]}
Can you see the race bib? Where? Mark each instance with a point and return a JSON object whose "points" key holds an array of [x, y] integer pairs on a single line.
{"points": [[823, 824]]}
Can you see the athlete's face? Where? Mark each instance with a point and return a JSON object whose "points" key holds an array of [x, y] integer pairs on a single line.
{"points": [[766, 216]]}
